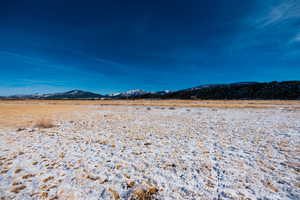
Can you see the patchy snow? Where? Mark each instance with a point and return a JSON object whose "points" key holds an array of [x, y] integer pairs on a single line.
{"points": [[194, 153]]}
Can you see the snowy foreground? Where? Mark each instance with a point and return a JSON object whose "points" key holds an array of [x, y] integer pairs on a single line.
{"points": [[156, 153]]}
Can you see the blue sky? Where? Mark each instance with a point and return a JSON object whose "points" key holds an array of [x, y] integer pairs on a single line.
{"points": [[108, 46]]}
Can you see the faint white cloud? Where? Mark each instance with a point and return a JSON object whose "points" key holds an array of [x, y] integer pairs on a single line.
{"points": [[36, 62], [272, 23], [108, 62], [297, 38], [24, 58], [277, 13], [38, 81]]}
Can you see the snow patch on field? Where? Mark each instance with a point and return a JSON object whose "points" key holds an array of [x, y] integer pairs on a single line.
{"points": [[194, 153]]}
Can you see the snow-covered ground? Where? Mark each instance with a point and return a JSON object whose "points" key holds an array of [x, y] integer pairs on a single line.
{"points": [[169, 153]]}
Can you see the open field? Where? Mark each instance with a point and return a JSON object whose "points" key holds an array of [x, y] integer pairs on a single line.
{"points": [[150, 149], [19, 113], [180, 103]]}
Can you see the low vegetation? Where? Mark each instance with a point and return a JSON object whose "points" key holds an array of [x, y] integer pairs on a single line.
{"points": [[44, 123]]}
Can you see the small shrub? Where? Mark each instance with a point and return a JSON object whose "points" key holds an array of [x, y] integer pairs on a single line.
{"points": [[44, 123], [20, 129]]}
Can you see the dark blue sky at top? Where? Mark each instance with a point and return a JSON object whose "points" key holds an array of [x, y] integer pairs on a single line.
{"points": [[115, 45]]}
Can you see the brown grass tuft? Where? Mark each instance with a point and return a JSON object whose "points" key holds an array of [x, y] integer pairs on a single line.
{"points": [[114, 193], [18, 170], [62, 155], [48, 179], [104, 142], [104, 181], [34, 162], [130, 184], [28, 176], [142, 193], [92, 177], [44, 123], [44, 195], [16, 183], [18, 189], [4, 171]]}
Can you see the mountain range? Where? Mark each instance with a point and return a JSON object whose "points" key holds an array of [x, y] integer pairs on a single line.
{"points": [[242, 90]]}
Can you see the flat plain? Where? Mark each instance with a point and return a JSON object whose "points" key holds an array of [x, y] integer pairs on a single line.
{"points": [[149, 149]]}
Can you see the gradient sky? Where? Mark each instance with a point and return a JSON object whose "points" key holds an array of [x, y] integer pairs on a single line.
{"points": [[115, 45]]}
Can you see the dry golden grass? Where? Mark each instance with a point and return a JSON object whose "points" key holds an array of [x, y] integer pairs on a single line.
{"points": [[25, 113], [169, 103]]}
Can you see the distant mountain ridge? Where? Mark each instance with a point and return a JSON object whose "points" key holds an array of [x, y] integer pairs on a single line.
{"points": [[216, 85], [242, 90], [73, 94]]}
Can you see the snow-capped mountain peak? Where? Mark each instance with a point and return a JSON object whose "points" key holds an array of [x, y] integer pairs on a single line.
{"points": [[130, 93], [73, 92]]}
